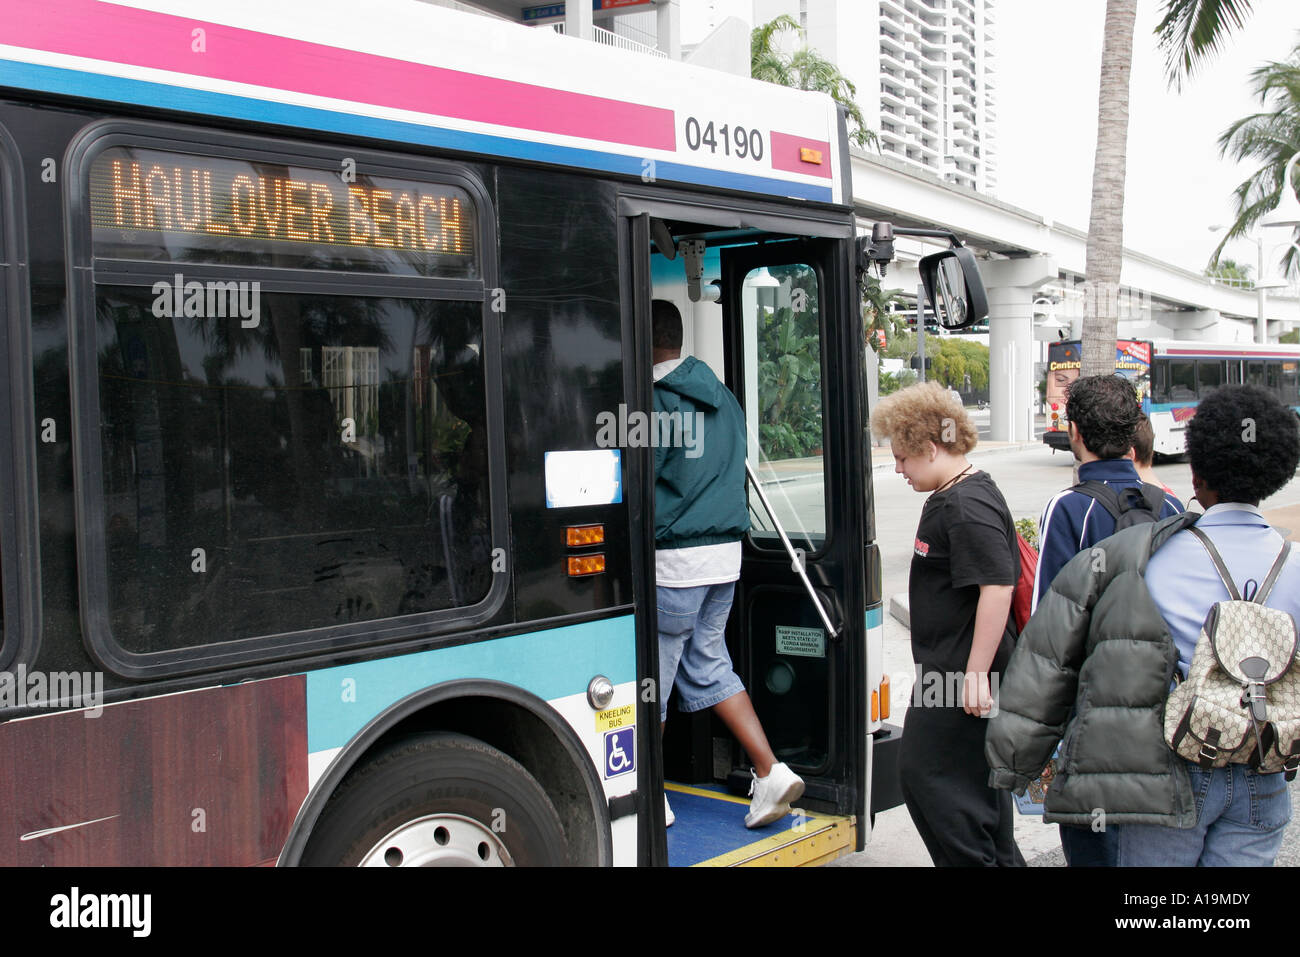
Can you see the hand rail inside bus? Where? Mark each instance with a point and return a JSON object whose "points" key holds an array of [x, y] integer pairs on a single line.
{"points": [[795, 560]]}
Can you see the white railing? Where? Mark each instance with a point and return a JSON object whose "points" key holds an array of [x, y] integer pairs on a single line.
{"points": [[611, 39]]}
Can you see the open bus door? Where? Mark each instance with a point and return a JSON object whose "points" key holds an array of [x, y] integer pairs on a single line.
{"points": [[789, 348]]}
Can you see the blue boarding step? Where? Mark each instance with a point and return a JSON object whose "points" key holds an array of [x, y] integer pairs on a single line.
{"points": [[710, 832]]}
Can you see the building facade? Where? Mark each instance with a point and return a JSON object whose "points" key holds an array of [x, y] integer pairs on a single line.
{"points": [[924, 72]]}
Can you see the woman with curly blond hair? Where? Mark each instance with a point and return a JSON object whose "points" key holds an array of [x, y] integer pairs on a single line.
{"points": [[965, 563]]}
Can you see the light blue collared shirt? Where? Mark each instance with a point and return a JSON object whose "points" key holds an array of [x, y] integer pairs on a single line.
{"points": [[1184, 583]]}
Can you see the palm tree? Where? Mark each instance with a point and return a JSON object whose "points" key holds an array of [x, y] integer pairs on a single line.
{"points": [[1105, 252], [1190, 32], [805, 69], [1271, 138]]}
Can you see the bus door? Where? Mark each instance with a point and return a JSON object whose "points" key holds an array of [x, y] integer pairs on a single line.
{"points": [[776, 318], [793, 345]]}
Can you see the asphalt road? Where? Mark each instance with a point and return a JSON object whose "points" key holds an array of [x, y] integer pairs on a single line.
{"points": [[1027, 478]]}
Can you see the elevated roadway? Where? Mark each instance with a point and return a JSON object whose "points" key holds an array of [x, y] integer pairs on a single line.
{"points": [[1025, 257]]}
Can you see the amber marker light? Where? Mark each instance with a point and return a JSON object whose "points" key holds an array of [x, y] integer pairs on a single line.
{"points": [[580, 565], [579, 535], [875, 705], [810, 155], [884, 698]]}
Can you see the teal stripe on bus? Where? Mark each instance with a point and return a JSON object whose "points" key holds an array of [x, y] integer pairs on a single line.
{"points": [[875, 616], [551, 664]]}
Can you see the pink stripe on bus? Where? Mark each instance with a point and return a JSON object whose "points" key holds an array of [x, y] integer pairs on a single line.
{"points": [[786, 155], [116, 34]]}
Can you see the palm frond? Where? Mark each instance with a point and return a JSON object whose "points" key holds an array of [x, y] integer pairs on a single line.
{"points": [[760, 38], [1192, 32], [806, 69]]}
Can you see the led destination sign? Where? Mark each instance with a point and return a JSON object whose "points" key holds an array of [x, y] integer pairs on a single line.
{"points": [[150, 204]]}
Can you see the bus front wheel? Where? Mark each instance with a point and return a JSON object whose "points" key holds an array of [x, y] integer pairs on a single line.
{"points": [[438, 800]]}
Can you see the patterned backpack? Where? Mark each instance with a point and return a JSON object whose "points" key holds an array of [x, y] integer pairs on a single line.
{"points": [[1240, 703]]}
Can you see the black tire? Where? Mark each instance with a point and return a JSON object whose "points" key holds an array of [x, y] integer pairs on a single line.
{"points": [[438, 799]]}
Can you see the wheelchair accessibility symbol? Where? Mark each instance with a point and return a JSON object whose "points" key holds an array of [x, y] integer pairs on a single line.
{"points": [[620, 751]]}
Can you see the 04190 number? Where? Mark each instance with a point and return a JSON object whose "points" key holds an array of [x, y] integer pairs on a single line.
{"points": [[735, 141]]}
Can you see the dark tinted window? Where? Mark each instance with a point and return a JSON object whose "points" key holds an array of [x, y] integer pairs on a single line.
{"points": [[1209, 373], [330, 464], [1182, 381], [1255, 374], [1291, 382]]}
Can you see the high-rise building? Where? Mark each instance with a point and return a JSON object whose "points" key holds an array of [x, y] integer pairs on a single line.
{"points": [[924, 72]]}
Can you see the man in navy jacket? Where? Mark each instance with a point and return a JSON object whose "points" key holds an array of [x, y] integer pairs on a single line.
{"points": [[1103, 413]]}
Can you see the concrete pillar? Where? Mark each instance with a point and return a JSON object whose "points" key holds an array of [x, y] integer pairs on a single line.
{"points": [[668, 16], [1013, 394], [577, 20]]}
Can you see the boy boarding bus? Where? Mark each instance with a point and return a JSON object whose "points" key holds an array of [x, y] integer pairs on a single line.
{"points": [[327, 527]]}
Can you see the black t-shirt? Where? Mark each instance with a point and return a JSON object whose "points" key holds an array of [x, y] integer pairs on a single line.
{"points": [[965, 539]]}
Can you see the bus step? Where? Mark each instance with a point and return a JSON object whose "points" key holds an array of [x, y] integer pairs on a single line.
{"points": [[710, 832]]}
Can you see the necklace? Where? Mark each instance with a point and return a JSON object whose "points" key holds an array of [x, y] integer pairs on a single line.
{"points": [[954, 480]]}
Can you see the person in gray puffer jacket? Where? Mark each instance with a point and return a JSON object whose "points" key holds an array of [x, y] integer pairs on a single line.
{"points": [[1097, 644]]}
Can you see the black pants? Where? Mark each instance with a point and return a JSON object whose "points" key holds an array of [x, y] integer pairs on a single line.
{"points": [[962, 820]]}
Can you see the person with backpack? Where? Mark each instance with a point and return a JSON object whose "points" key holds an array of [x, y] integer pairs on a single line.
{"points": [[1147, 609], [965, 563], [1103, 414]]}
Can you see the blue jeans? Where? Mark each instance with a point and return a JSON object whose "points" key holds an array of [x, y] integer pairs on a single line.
{"points": [[1240, 819], [693, 646]]}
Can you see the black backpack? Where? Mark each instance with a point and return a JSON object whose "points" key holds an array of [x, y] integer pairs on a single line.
{"points": [[1129, 506]]}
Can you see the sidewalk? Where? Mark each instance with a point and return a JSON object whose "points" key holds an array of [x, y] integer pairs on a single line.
{"points": [[882, 458], [1286, 520]]}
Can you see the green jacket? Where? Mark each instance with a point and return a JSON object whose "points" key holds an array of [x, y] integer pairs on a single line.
{"points": [[699, 460], [1094, 665]]}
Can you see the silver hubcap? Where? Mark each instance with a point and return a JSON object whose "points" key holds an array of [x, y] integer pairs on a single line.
{"points": [[439, 840]]}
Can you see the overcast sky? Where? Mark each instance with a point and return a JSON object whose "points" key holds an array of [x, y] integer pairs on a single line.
{"points": [[1048, 61]]}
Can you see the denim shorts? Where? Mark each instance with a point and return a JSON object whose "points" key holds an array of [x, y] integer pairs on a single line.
{"points": [[1241, 817], [693, 647]]}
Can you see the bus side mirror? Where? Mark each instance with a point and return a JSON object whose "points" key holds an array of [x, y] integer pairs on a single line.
{"points": [[954, 288]]}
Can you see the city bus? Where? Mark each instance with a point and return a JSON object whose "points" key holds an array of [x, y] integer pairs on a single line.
{"points": [[1171, 376], [313, 547], [1182, 373]]}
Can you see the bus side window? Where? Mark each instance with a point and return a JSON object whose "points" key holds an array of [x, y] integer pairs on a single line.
{"points": [[1291, 383], [1209, 376], [1182, 381], [274, 464], [1255, 373]]}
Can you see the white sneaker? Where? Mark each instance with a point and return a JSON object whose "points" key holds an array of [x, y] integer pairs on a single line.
{"points": [[771, 796], [669, 816]]}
